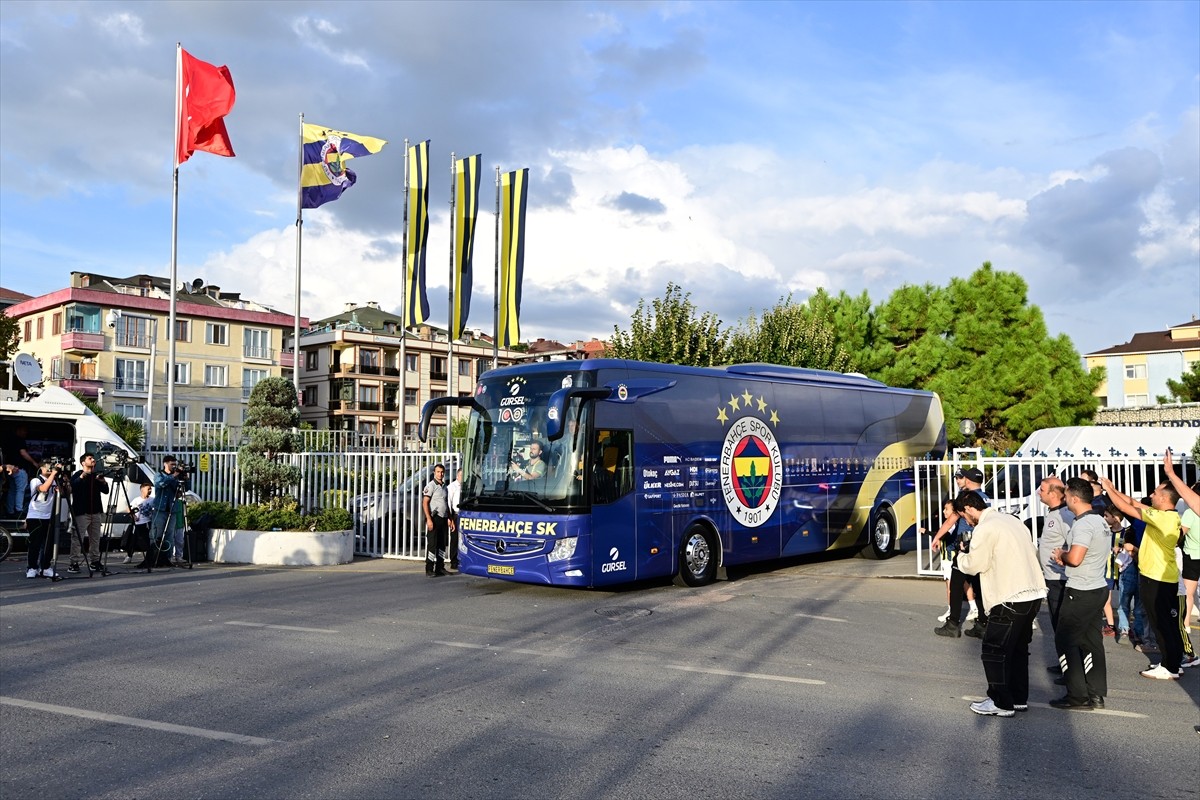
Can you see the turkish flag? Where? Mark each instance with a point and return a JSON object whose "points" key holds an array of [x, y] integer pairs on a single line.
{"points": [[206, 95]]}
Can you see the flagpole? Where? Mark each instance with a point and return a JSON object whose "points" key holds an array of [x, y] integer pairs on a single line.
{"points": [[496, 299], [299, 237], [404, 304], [451, 375], [174, 264]]}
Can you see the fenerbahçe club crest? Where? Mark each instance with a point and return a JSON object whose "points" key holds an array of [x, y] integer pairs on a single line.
{"points": [[751, 462]]}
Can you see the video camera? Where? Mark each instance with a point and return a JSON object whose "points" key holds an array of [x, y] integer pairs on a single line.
{"points": [[64, 464], [113, 462], [183, 470]]}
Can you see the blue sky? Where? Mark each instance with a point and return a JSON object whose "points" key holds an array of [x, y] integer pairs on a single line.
{"points": [[743, 150]]}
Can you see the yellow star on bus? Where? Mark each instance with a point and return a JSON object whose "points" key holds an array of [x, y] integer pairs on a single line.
{"points": [[747, 397], [762, 405], [733, 402], [721, 417], [774, 417]]}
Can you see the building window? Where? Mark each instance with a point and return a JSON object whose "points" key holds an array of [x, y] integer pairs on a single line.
{"points": [[310, 396], [214, 414], [368, 427], [437, 367], [368, 361], [83, 319], [1135, 372], [133, 331], [482, 365], [29, 330], [310, 360], [183, 373], [250, 379], [41, 326], [216, 375], [180, 413], [412, 362], [56, 324], [216, 333], [1137, 400], [256, 343], [130, 410], [131, 375], [464, 367], [410, 397], [368, 397], [183, 330]]}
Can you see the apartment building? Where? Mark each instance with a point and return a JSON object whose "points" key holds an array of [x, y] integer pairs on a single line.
{"points": [[352, 378], [1137, 371], [106, 338]]}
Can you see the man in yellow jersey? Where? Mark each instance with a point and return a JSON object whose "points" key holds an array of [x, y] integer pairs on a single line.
{"points": [[1159, 582]]}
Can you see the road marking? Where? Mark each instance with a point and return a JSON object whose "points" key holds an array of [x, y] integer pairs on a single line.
{"points": [[493, 648], [823, 619], [280, 627], [109, 611], [754, 675], [186, 730]]}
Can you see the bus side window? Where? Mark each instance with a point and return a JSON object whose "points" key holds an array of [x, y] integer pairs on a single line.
{"points": [[612, 473]]}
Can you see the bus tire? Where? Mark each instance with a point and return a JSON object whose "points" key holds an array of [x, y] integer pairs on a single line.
{"points": [[698, 555], [882, 535]]}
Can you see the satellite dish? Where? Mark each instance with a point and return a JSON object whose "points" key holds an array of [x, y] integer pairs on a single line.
{"points": [[197, 285], [27, 370]]}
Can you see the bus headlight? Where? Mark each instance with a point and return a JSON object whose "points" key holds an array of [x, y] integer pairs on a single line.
{"points": [[563, 549]]}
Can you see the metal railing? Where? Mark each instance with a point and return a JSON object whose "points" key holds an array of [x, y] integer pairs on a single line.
{"points": [[382, 492], [1012, 483]]}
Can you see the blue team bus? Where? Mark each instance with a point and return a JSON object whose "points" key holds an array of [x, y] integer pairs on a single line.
{"points": [[604, 471]]}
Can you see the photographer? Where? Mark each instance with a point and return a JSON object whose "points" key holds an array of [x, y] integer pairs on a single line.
{"points": [[167, 485], [87, 506], [40, 521]]}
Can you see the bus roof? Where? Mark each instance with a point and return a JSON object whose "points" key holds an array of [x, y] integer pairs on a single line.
{"points": [[772, 372]]}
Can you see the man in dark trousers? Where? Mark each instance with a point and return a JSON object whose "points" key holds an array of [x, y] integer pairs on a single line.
{"points": [[87, 506], [1004, 559], [1078, 640], [436, 507]]}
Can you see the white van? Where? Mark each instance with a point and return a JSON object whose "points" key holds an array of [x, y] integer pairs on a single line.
{"points": [[55, 424]]}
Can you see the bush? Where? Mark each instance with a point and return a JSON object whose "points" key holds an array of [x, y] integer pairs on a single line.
{"points": [[277, 515]]}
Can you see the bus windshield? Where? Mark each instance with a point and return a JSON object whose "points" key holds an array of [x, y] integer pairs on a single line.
{"points": [[509, 463]]}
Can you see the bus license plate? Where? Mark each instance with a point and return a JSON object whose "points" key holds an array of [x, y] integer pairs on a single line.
{"points": [[499, 569]]}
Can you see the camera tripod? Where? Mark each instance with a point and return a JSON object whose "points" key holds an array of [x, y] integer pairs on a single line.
{"points": [[62, 489], [163, 542]]}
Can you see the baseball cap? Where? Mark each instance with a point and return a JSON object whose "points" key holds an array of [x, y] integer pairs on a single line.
{"points": [[970, 473]]}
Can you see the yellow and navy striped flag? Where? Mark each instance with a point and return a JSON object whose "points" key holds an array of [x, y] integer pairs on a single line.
{"points": [[327, 153], [466, 192], [416, 303], [514, 196]]}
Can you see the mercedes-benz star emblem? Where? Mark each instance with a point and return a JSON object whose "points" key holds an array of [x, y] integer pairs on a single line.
{"points": [[500, 545]]}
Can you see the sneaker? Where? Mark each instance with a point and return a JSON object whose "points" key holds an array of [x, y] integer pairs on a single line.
{"points": [[951, 629], [945, 615], [31, 573], [1159, 673], [127, 560], [72, 567], [1097, 701], [1069, 703], [988, 708], [1020, 706], [96, 566], [975, 631], [972, 614], [1035, 627], [1194, 661], [49, 573], [1108, 631]]}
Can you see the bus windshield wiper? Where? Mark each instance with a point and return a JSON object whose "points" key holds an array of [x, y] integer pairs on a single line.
{"points": [[529, 496]]}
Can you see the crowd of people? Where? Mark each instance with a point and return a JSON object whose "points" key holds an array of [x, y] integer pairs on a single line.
{"points": [[1094, 540]]}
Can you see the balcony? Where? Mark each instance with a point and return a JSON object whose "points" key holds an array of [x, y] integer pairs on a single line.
{"points": [[252, 352], [287, 359], [88, 387], [81, 342], [133, 340]]}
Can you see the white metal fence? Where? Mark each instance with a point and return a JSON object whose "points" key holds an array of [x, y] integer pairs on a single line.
{"points": [[1012, 484], [381, 490]]}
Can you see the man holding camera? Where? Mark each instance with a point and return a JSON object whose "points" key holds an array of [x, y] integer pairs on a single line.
{"points": [[87, 507], [166, 489]]}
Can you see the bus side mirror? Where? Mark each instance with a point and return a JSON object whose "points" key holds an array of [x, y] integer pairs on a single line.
{"points": [[557, 407]]}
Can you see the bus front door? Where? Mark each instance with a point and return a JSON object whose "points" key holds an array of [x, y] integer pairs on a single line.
{"points": [[614, 528]]}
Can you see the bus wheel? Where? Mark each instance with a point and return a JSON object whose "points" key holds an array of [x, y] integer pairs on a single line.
{"points": [[883, 536], [697, 557]]}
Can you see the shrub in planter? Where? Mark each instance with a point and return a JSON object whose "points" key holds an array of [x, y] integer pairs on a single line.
{"points": [[271, 516]]}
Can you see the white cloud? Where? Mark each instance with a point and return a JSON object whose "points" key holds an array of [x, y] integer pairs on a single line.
{"points": [[123, 26]]}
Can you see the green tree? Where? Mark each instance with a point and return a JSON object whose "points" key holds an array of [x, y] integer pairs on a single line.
{"points": [[671, 332], [981, 346], [129, 429], [272, 418], [851, 321], [792, 335], [10, 338], [1186, 389]]}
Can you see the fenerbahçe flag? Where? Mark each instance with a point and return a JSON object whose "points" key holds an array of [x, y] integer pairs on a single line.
{"points": [[466, 192], [325, 173], [416, 301], [514, 196]]}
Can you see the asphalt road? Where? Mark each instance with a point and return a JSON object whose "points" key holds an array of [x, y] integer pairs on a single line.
{"points": [[818, 679]]}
